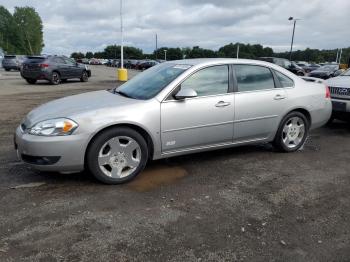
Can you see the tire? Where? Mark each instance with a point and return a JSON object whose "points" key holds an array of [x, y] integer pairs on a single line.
{"points": [[292, 132], [55, 78], [84, 76], [7, 69], [117, 155], [31, 81], [300, 74]]}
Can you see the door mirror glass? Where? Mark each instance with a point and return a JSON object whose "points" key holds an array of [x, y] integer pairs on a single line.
{"points": [[185, 93]]}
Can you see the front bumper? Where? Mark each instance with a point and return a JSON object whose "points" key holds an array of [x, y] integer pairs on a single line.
{"points": [[57, 153], [341, 108]]}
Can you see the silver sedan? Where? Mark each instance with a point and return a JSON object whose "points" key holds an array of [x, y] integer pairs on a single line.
{"points": [[174, 108]]}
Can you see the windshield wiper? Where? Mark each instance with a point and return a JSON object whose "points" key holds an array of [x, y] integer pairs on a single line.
{"points": [[115, 91]]}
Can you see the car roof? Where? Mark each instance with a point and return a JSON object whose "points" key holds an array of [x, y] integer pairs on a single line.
{"points": [[208, 61]]}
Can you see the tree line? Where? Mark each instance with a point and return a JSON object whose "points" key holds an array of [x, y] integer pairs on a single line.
{"points": [[247, 51], [21, 32]]}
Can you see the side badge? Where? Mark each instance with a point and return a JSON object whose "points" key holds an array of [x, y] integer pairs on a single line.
{"points": [[170, 143]]}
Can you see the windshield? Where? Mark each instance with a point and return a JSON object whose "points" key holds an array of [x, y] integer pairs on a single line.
{"points": [[150, 82], [346, 73], [328, 67]]}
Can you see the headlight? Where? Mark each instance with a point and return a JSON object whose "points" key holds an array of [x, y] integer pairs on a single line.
{"points": [[54, 127]]}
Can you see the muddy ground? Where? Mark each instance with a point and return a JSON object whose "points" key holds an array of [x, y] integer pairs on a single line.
{"points": [[241, 204]]}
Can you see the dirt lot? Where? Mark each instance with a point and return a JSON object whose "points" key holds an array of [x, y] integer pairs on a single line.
{"points": [[242, 204]]}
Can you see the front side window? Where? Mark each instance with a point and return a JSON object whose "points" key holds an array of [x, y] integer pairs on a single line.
{"points": [[252, 77], [208, 81], [284, 80]]}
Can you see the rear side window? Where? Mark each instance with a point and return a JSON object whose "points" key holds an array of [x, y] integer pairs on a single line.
{"points": [[252, 77], [208, 81], [284, 80]]}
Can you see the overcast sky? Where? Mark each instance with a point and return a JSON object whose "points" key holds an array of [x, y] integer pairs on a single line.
{"points": [[90, 25]]}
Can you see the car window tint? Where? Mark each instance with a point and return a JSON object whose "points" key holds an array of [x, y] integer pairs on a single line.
{"points": [[251, 77], [284, 80], [208, 81]]}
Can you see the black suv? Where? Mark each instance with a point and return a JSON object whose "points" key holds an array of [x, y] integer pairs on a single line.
{"points": [[285, 63], [55, 69]]}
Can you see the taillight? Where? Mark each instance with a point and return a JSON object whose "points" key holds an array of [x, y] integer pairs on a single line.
{"points": [[328, 93], [43, 65]]}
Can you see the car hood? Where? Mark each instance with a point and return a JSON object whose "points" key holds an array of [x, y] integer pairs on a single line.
{"points": [[76, 104], [339, 81]]}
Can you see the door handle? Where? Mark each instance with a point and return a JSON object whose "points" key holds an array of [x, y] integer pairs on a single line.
{"points": [[222, 104], [279, 97]]}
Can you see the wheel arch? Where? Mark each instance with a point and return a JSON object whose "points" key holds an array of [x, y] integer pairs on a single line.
{"points": [[140, 130], [304, 111]]}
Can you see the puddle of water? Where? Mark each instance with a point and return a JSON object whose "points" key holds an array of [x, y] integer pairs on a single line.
{"points": [[156, 176]]}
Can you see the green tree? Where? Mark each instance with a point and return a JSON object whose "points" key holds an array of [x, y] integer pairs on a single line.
{"points": [[171, 53], [30, 28], [77, 55], [10, 39], [89, 55]]}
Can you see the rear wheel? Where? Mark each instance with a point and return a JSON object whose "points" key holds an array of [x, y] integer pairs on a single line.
{"points": [[292, 132], [31, 81], [7, 69], [117, 155], [55, 78], [84, 77]]}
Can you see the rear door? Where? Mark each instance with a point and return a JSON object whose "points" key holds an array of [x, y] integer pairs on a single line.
{"points": [[259, 103]]}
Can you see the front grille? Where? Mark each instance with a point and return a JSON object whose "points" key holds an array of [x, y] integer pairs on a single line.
{"points": [[339, 91]]}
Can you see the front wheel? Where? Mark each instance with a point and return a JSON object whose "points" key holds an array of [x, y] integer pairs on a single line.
{"points": [[292, 132], [117, 155]]}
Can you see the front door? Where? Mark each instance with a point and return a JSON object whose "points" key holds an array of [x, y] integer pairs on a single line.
{"points": [[201, 121], [259, 103]]}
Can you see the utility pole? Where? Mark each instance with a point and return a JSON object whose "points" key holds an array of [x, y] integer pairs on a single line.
{"points": [[165, 54], [336, 59], [122, 72], [237, 51], [291, 45], [122, 37], [341, 51], [156, 46]]}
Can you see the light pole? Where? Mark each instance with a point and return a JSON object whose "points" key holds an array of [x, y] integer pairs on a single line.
{"points": [[291, 45], [165, 55], [122, 72]]}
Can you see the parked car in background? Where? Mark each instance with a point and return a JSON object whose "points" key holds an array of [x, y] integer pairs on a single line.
{"points": [[1, 56], [54, 69], [12, 62], [174, 108], [147, 64], [311, 67], [340, 93], [94, 61], [285, 63], [326, 71]]}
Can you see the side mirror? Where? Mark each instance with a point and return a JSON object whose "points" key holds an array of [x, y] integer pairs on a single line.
{"points": [[185, 93]]}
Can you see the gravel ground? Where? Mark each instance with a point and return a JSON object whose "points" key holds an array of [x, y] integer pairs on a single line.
{"points": [[241, 204]]}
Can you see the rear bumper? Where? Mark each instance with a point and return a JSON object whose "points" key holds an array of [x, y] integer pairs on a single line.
{"points": [[36, 75], [13, 67], [60, 153]]}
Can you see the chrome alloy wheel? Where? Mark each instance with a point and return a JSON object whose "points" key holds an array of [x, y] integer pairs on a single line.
{"points": [[293, 132], [119, 157]]}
